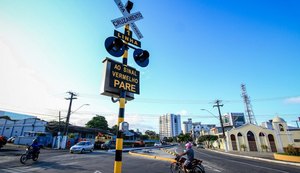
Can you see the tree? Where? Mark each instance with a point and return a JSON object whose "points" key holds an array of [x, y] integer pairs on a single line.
{"points": [[208, 139], [184, 137], [97, 122], [151, 134], [114, 129]]}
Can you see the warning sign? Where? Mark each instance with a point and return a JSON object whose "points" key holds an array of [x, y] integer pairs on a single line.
{"points": [[124, 77]]}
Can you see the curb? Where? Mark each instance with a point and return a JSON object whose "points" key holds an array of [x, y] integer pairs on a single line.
{"points": [[167, 151], [152, 157], [257, 158]]}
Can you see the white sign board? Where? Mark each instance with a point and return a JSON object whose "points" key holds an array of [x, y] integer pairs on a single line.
{"points": [[125, 13], [128, 19]]}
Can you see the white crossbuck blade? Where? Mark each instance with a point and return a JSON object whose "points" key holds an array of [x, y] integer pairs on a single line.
{"points": [[126, 14]]}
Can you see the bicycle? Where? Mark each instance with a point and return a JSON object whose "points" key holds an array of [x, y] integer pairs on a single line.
{"points": [[195, 166]]}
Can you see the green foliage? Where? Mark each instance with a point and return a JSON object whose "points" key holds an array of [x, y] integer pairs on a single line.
{"points": [[291, 150], [207, 138], [264, 147], [97, 122], [144, 137], [71, 135], [243, 146], [151, 134], [114, 129], [184, 137]]}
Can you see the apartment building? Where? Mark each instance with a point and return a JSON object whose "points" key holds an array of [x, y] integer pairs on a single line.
{"points": [[169, 125]]}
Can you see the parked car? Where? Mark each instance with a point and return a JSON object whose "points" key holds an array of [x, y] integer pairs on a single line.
{"points": [[157, 144], [139, 143], [111, 144], [200, 145], [82, 147], [11, 139]]}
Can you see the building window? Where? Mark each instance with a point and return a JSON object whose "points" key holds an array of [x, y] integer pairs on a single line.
{"points": [[261, 134], [281, 127], [239, 134]]}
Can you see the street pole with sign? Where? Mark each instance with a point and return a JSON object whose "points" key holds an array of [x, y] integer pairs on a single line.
{"points": [[120, 80]]}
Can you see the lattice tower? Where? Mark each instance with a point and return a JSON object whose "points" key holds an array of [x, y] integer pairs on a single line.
{"points": [[248, 106]]}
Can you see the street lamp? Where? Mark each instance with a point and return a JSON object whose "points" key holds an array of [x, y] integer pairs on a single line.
{"points": [[80, 107], [209, 112], [68, 117], [221, 122]]}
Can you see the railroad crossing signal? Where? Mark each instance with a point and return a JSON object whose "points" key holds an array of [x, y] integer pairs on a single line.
{"points": [[126, 13], [116, 72]]}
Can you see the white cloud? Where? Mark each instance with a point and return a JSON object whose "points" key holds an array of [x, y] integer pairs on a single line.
{"points": [[293, 100], [183, 112]]}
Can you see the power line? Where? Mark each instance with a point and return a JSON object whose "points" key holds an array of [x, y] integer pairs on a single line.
{"points": [[190, 101]]}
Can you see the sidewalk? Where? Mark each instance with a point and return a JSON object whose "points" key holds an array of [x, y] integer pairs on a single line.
{"points": [[154, 154]]}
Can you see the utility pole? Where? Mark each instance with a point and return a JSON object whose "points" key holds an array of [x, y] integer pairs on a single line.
{"points": [[59, 118], [221, 122], [73, 96]]}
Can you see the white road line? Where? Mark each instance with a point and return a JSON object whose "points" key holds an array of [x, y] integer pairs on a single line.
{"points": [[70, 163], [211, 168]]}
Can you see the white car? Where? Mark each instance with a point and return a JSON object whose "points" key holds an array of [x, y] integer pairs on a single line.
{"points": [[157, 144], [82, 147]]}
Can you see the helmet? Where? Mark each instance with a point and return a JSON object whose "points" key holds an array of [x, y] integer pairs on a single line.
{"points": [[188, 145], [35, 141]]}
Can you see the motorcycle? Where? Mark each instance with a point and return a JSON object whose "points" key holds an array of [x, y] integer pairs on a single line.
{"points": [[194, 167], [29, 154]]}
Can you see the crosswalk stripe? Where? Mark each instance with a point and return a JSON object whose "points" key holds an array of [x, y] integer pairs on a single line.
{"points": [[20, 170]]}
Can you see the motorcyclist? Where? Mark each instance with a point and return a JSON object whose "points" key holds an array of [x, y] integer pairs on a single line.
{"points": [[35, 146], [189, 152]]}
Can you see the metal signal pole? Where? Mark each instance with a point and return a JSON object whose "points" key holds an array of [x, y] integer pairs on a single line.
{"points": [[122, 101]]}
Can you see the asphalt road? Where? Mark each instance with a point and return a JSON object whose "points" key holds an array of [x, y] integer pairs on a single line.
{"points": [[60, 161], [216, 162], [56, 161]]}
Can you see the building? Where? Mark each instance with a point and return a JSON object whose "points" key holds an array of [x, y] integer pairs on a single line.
{"points": [[250, 137], [187, 126], [169, 125], [234, 119], [14, 128], [14, 116]]}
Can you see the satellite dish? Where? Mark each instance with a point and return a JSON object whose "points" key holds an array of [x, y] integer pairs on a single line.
{"points": [[141, 57], [114, 46]]}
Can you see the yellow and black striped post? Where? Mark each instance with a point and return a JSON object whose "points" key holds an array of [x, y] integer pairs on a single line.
{"points": [[119, 140]]}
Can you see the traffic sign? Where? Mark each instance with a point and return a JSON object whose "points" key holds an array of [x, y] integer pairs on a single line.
{"points": [[121, 21], [125, 13], [127, 39]]}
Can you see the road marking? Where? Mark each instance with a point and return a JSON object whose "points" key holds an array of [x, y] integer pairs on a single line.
{"points": [[20, 170], [70, 163]]}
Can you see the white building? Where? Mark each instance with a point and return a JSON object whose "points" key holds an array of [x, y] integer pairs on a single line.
{"points": [[169, 125], [187, 126]]}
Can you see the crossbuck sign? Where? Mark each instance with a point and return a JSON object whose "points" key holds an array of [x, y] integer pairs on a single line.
{"points": [[128, 19]]}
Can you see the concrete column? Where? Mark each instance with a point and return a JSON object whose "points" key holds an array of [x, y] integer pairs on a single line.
{"points": [[238, 143], [258, 143]]}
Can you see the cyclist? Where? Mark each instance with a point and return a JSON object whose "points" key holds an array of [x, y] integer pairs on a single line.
{"points": [[190, 156]]}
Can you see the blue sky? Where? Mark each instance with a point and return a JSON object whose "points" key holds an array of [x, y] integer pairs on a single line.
{"points": [[200, 51]]}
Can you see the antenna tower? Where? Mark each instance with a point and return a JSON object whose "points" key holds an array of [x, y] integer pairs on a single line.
{"points": [[248, 106]]}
